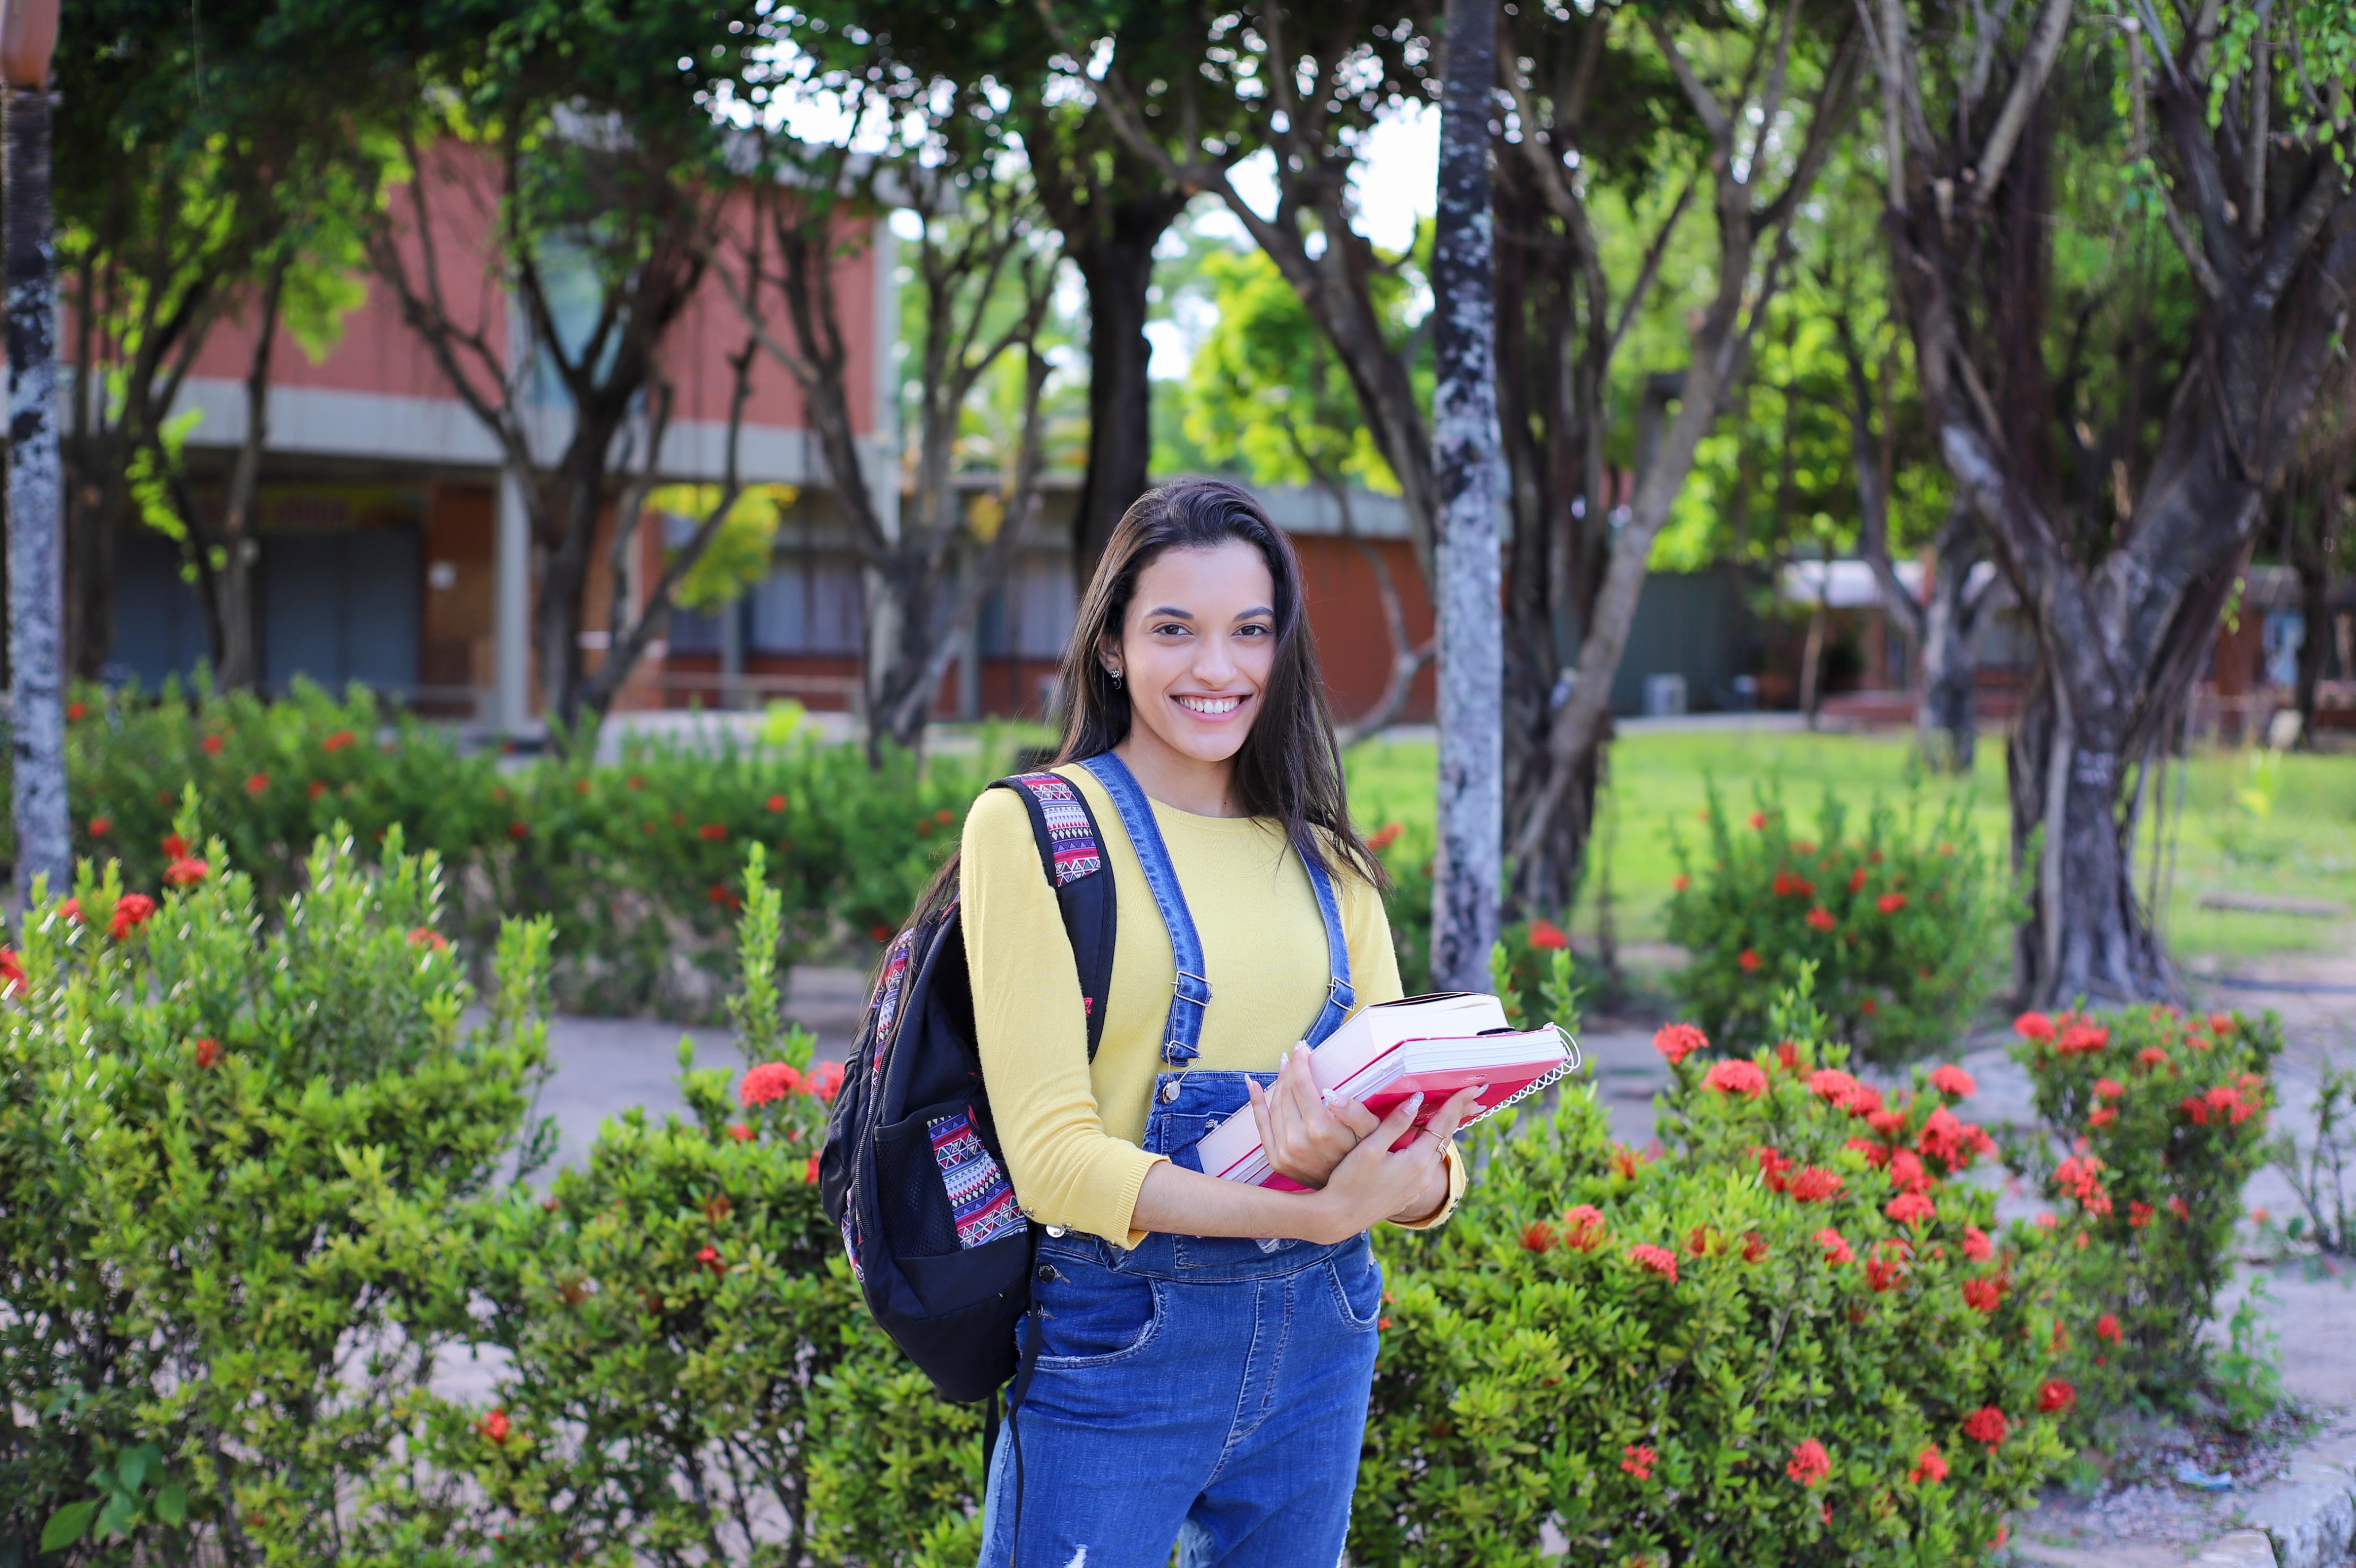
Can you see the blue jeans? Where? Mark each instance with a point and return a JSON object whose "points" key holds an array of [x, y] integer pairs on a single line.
{"points": [[1204, 1391]]}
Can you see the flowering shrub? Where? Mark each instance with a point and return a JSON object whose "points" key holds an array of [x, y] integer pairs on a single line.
{"points": [[1735, 1353], [1903, 923], [217, 1289], [638, 862], [2151, 1120]]}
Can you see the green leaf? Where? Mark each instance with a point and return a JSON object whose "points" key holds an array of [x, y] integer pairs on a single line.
{"points": [[65, 1526], [172, 1504], [136, 1464], [116, 1518]]}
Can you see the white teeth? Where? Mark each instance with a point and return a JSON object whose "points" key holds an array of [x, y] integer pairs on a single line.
{"points": [[1210, 706]]}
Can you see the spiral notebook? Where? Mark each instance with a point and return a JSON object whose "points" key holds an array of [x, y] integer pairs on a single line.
{"points": [[1436, 1043]]}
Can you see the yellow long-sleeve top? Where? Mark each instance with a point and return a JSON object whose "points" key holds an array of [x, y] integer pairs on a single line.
{"points": [[1071, 1128]]}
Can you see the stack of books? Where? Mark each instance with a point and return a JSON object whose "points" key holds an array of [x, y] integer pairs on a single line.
{"points": [[1433, 1045]]}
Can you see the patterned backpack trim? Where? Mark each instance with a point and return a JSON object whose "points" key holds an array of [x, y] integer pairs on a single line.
{"points": [[1077, 854], [887, 1004], [978, 1190]]}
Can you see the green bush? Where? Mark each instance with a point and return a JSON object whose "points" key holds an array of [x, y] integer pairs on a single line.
{"points": [[1732, 1354], [2151, 1120], [1903, 925], [637, 862], [218, 1306], [687, 1366]]}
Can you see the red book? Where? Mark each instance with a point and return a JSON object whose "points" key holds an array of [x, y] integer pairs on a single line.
{"points": [[1384, 1053]]}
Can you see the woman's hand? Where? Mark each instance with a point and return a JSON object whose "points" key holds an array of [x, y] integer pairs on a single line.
{"points": [[1305, 1138], [1373, 1183]]}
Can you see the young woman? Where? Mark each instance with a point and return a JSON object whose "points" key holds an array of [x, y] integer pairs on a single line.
{"points": [[1205, 1349]]}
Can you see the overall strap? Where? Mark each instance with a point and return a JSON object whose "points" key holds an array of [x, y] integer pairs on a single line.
{"points": [[1191, 990], [1339, 996]]}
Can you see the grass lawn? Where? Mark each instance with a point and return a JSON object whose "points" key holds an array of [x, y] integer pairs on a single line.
{"points": [[2251, 823]]}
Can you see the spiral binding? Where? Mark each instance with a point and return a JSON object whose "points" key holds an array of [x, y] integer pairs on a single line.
{"points": [[1572, 1062]]}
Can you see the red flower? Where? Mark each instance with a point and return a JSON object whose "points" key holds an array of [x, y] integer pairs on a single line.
{"points": [[1548, 935], [208, 1052], [1856, 880], [824, 1082], [2101, 1116], [1891, 903], [2106, 1328], [256, 784], [1759, 819], [1910, 1206], [1537, 1236], [1697, 1243], [338, 741], [2178, 1206], [427, 937], [880, 933], [1747, 961], [12, 973], [2151, 1055], [1884, 1274], [1624, 1160], [70, 909], [1736, 1077], [1907, 1174], [76, 712], [1754, 1247], [1679, 1041], [1637, 1460], [1875, 1153], [1986, 1425], [2033, 1027], [774, 803], [1821, 919], [1787, 1052], [100, 826], [1888, 1123], [711, 1259], [2139, 1214], [720, 893], [212, 744], [2222, 1023], [1680, 882], [186, 872], [713, 831], [1835, 1086], [1771, 1167], [2055, 1397], [1810, 1463], [317, 788], [740, 1132], [2083, 1039], [1865, 1101], [1984, 1295], [131, 912], [768, 1081], [517, 829], [174, 846], [1837, 1251], [1583, 1227], [1929, 1466], [2108, 1088], [1977, 1245], [1654, 1260], [1947, 1139], [495, 1425], [1951, 1079], [1816, 1185], [810, 1172]]}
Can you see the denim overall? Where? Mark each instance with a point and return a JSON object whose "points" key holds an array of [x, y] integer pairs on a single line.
{"points": [[1209, 1390]]}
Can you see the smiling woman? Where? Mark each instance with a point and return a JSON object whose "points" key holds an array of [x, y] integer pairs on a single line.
{"points": [[1199, 1353]]}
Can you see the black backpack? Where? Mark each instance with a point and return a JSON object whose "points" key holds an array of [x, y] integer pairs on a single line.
{"points": [[912, 1173]]}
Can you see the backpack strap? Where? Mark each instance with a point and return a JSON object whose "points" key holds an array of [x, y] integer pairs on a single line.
{"points": [[1071, 854]]}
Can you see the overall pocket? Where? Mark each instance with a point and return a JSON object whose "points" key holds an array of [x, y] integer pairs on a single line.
{"points": [[1091, 1316]]}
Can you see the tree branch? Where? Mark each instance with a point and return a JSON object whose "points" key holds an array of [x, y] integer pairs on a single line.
{"points": [[2044, 44]]}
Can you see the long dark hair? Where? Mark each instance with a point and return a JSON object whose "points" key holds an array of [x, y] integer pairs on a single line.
{"points": [[1290, 769]]}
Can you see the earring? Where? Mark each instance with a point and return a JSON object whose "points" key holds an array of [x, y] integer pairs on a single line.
{"points": [[1116, 680]]}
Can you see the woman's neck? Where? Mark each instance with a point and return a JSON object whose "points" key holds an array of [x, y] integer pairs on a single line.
{"points": [[1172, 778]]}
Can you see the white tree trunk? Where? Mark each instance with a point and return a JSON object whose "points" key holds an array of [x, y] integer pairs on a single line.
{"points": [[1468, 460]]}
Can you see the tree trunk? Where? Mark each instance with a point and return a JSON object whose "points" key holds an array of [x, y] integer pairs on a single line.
{"points": [[1469, 467], [36, 599], [1116, 265], [2315, 647], [1812, 657], [236, 659], [1946, 718]]}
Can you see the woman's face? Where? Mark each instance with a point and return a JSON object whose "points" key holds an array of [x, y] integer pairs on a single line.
{"points": [[1197, 648]]}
